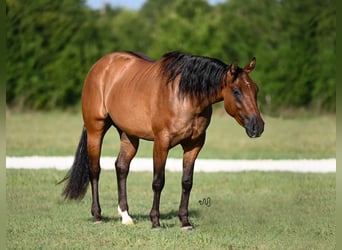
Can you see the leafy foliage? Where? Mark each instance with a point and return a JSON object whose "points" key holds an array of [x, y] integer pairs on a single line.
{"points": [[52, 45]]}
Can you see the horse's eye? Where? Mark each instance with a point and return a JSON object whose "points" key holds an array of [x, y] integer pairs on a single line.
{"points": [[237, 93]]}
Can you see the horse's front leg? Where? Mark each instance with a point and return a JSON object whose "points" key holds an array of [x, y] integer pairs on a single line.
{"points": [[160, 152], [191, 149], [128, 149]]}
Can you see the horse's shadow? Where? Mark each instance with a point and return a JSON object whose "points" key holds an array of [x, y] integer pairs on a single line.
{"points": [[167, 220]]}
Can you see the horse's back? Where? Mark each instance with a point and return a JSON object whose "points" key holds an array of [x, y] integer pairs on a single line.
{"points": [[110, 68]]}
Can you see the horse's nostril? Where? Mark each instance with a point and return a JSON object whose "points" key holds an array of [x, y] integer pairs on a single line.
{"points": [[255, 127]]}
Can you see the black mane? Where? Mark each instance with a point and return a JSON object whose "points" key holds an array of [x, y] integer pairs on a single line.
{"points": [[199, 76]]}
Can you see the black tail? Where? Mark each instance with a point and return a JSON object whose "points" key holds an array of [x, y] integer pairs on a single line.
{"points": [[78, 175]]}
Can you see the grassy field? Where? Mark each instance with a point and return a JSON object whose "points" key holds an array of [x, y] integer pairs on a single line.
{"points": [[58, 133], [252, 210]]}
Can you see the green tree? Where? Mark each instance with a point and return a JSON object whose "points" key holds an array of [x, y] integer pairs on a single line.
{"points": [[52, 44], [178, 25], [46, 53], [304, 66]]}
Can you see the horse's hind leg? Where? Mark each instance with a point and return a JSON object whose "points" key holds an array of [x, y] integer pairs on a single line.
{"points": [[128, 148], [95, 132]]}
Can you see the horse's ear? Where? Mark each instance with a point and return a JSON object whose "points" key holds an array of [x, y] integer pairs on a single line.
{"points": [[233, 67], [249, 67]]}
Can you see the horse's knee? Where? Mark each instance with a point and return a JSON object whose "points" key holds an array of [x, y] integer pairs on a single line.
{"points": [[121, 167], [187, 183], [158, 182]]}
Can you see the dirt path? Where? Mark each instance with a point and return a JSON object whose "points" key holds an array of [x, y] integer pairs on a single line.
{"points": [[204, 165]]}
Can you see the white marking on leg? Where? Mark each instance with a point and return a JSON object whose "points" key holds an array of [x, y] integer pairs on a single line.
{"points": [[187, 228], [126, 219]]}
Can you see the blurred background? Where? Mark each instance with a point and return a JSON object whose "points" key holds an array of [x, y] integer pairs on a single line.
{"points": [[52, 44]]}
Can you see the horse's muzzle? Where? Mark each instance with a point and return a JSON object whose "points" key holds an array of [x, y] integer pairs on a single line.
{"points": [[254, 126]]}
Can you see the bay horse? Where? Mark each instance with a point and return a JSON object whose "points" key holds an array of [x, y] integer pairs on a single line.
{"points": [[169, 102]]}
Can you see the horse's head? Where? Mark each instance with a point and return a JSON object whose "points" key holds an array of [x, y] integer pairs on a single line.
{"points": [[240, 98]]}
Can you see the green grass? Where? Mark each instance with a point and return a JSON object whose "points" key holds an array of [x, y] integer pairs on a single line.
{"points": [[57, 133], [251, 210]]}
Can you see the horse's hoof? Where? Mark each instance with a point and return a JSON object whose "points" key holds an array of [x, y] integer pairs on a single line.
{"points": [[97, 222], [187, 228], [97, 219], [126, 219]]}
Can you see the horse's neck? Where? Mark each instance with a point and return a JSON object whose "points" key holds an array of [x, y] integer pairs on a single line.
{"points": [[204, 103], [216, 99]]}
